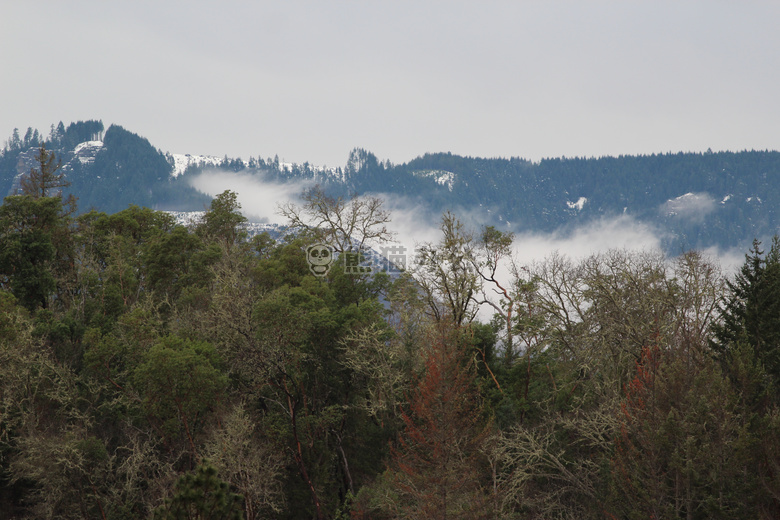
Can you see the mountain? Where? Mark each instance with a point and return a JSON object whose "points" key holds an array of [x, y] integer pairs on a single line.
{"points": [[107, 170], [696, 200]]}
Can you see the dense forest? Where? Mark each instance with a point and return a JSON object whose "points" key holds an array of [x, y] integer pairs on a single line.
{"points": [[153, 370], [693, 200]]}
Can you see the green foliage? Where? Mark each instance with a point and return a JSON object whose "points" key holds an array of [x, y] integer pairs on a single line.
{"points": [[223, 221], [682, 450], [131, 347], [751, 312], [180, 381], [747, 344], [27, 249], [203, 496]]}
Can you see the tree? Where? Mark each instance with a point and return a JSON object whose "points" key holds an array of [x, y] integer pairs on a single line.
{"points": [[34, 242], [41, 181], [747, 344], [201, 495], [437, 468], [590, 325], [344, 225], [223, 221], [180, 383], [447, 274], [751, 311], [27, 250], [252, 465], [682, 450], [491, 256], [15, 142]]}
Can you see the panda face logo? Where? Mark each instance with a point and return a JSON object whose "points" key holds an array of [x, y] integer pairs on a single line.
{"points": [[320, 258]]}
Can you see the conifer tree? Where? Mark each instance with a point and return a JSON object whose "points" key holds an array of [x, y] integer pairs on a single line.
{"points": [[751, 312], [202, 496], [39, 182]]}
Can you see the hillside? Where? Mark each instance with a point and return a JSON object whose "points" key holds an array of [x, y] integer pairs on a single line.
{"points": [[696, 200]]}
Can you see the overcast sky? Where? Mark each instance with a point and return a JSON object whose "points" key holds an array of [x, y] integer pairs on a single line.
{"points": [[309, 81]]}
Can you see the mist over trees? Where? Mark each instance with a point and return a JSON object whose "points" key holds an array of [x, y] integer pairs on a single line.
{"points": [[695, 200], [153, 370]]}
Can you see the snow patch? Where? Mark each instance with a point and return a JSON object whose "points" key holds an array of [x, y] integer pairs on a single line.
{"points": [[87, 144], [85, 152], [690, 206], [183, 161], [440, 177], [577, 205]]}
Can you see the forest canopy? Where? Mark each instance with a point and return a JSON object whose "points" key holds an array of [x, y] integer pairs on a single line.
{"points": [[154, 370]]}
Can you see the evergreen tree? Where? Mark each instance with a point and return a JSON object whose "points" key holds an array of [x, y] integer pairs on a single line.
{"points": [[15, 142], [747, 342], [751, 311], [39, 182], [27, 250], [202, 496]]}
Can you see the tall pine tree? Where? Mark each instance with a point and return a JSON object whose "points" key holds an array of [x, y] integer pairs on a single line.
{"points": [[750, 318]]}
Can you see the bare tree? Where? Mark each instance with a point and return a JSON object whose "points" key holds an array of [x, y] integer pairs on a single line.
{"points": [[346, 225], [597, 319], [249, 461]]}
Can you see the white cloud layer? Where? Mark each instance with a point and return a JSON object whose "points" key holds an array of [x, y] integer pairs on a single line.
{"points": [[259, 198], [414, 224], [692, 207], [622, 232]]}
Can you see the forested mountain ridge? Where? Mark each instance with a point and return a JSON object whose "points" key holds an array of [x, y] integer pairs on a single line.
{"points": [[698, 200], [107, 170]]}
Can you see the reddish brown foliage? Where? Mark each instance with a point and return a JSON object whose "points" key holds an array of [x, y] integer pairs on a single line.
{"points": [[437, 462]]}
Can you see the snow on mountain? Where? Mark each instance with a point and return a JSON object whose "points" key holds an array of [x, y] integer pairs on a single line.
{"points": [[577, 205], [183, 161], [85, 152], [319, 173], [690, 206], [440, 177]]}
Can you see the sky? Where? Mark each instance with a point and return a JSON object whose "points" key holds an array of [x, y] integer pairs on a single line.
{"points": [[311, 80]]}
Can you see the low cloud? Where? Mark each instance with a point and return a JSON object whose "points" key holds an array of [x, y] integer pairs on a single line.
{"points": [[730, 260], [693, 207], [258, 196], [414, 224], [622, 232], [411, 223]]}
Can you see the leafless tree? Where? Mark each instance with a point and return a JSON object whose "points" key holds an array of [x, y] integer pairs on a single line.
{"points": [[346, 225]]}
